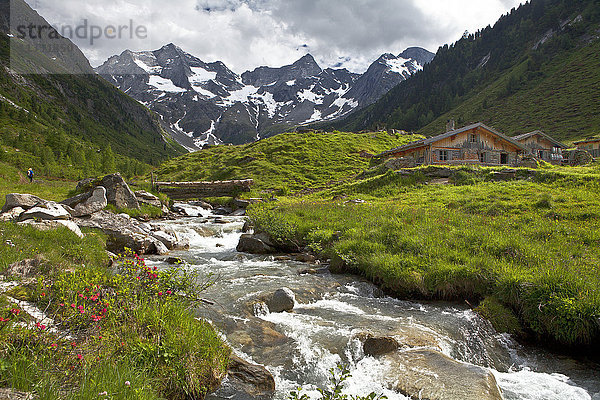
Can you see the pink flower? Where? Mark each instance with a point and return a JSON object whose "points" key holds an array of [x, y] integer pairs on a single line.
{"points": [[169, 292], [127, 383], [80, 356], [54, 345], [73, 305], [80, 308], [160, 293]]}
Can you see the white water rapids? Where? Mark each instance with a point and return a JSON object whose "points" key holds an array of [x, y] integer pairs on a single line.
{"points": [[299, 348]]}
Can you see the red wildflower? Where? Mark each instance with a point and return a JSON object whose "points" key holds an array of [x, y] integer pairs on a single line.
{"points": [[80, 356], [169, 292]]}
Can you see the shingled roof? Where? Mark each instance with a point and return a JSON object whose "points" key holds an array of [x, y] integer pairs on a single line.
{"points": [[538, 132], [425, 142]]}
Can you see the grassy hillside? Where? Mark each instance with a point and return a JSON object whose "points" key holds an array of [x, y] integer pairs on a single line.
{"points": [[536, 68], [286, 162], [562, 99], [527, 251]]}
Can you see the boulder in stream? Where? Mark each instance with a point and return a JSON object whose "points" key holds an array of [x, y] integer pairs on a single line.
{"points": [[253, 380], [148, 198], [252, 244], [282, 300], [429, 374]]}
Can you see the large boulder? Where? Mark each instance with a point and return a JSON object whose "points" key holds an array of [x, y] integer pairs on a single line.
{"points": [[148, 198], [87, 203], [25, 201], [118, 192], [429, 374], [48, 211], [46, 225], [252, 244], [254, 381], [123, 231], [282, 300]]}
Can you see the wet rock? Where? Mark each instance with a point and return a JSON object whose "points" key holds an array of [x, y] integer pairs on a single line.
{"points": [[377, 346], [26, 268], [157, 247], [251, 244], [254, 380], [241, 203], [148, 198], [337, 265], [202, 204], [240, 212], [87, 203], [247, 226], [282, 258], [174, 260], [307, 258], [48, 211], [429, 374], [118, 192], [181, 210], [168, 240], [222, 211], [308, 271], [12, 214], [282, 300], [25, 201]]}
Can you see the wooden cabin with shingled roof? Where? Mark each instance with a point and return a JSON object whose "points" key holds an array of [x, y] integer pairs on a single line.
{"points": [[475, 144]]}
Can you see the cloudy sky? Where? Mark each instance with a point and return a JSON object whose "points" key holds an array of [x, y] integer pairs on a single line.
{"points": [[245, 34]]}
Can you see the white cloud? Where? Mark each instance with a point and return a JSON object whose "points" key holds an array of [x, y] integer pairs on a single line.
{"points": [[245, 34]]}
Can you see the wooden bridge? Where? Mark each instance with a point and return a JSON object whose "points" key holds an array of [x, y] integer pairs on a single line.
{"points": [[198, 190]]}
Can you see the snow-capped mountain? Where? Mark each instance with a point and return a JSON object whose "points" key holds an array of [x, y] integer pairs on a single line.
{"points": [[208, 103]]}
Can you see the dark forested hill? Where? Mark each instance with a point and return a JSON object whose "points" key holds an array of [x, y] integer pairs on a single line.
{"points": [[62, 114], [538, 67]]}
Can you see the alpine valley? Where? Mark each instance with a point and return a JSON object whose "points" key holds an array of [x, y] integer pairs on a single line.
{"points": [[207, 103]]}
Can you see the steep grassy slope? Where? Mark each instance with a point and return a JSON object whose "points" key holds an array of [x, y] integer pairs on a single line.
{"points": [[291, 161], [531, 48], [563, 101]]}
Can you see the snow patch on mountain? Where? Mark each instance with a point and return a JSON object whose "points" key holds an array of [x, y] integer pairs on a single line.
{"points": [[163, 84]]}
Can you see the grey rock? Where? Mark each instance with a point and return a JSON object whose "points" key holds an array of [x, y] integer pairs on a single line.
{"points": [[123, 231], [240, 212], [282, 300], [95, 202], [46, 225], [429, 374], [254, 380], [148, 198], [49, 211], [26, 268], [12, 215], [118, 192], [168, 240], [250, 244], [307, 258], [25, 201]]}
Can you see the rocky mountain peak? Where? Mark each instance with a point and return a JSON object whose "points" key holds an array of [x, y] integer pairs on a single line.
{"points": [[204, 103]]}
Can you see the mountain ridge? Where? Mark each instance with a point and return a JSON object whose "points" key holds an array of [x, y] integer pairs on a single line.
{"points": [[207, 103]]}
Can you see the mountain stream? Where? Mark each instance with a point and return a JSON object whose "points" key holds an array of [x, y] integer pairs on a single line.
{"points": [[332, 311]]}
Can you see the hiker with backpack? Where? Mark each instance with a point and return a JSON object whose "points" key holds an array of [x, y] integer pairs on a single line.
{"points": [[30, 175]]}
